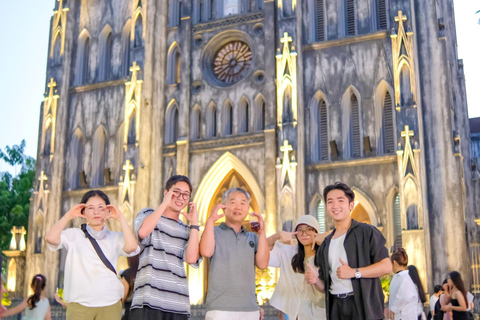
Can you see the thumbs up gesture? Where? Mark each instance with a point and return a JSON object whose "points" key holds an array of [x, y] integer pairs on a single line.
{"points": [[344, 271], [311, 275]]}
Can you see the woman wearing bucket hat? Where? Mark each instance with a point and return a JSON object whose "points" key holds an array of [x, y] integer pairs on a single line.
{"points": [[292, 295]]}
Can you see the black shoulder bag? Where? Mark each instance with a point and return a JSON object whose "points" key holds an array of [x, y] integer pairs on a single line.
{"points": [[98, 249]]}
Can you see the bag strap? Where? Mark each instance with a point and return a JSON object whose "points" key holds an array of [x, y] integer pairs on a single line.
{"points": [[98, 249]]}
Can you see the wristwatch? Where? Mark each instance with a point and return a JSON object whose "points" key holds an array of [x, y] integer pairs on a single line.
{"points": [[358, 275], [195, 227]]}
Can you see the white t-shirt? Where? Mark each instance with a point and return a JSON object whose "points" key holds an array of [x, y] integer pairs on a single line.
{"points": [[403, 297], [292, 294], [87, 280], [433, 300], [336, 251]]}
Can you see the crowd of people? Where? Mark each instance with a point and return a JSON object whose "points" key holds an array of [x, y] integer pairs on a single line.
{"points": [[333, 275]]}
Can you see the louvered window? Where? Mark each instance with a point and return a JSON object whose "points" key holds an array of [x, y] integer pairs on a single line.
{"points": [[320, 12], [228, 120], [323, 131], [214, 122], [175, 126], [321, 216], [388, 126], [86, 60], [177, 67], [382, 14], [350, 16], [397, 222], [355, 128]]}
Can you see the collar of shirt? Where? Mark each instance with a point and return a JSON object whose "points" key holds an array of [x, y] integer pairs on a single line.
{"points": [[97, 235], [224, 226]]}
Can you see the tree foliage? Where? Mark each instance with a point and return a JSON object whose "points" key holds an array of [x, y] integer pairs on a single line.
{"points": [[15, 192]]}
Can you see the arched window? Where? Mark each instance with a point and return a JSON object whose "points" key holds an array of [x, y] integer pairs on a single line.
{"points": [[243, 116], [132, 127], [320, 19], [47, 146], [287, 116], [211, 121], [86, 61], [195, 123], [350, 17], [138, 40], [82, 75], [228, 119], [321, 216], [355, 138], [381, 14], [397, 222], [39, 234], [98, 158], [125, 69], [76, 163], [173, 68], [287, 8], [388, 125], [106, 48], [405, 88], [172, 125], [259, 118], [322, 130], [175, 12], [57, 50]]}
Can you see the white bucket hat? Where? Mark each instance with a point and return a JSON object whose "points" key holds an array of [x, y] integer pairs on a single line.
{"points": [[309, 221]]}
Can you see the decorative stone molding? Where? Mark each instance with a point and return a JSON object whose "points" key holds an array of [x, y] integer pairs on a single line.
{"points": [[229, 21]]}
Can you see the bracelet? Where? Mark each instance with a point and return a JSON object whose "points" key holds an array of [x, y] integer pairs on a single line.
{"points": [[195, 227]]}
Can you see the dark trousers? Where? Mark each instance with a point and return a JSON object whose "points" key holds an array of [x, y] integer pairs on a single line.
{"points": [[152, 314], [343, 309]]}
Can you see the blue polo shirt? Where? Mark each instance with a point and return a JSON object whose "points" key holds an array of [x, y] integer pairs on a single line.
{"points": [[231, 276]]}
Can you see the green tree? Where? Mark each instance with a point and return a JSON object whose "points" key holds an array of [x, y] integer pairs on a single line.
{"points": [[15, 192]]}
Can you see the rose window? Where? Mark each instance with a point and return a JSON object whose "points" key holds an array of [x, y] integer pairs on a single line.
{"points": [[232, 62]]}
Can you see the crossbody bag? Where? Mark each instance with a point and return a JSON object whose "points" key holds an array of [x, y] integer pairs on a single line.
{"points": [[98, 249]]}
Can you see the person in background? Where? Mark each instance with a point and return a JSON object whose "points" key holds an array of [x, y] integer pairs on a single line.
{"points": [[293, 295], [437, 291], [470, 298], [439, 314], [413, 272], [36, 306], [403, 294], [457, 297], [128, 281]]}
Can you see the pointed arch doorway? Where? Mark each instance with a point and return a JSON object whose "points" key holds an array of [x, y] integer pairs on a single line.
{"points": [[227, 172]]}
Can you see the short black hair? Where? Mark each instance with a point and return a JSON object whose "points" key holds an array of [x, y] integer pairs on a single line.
{"points": [[339, 186], [437, 288], [175, 179], [95, 193]]}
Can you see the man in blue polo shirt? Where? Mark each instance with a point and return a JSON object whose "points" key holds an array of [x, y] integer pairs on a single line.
{"points": [[234, 253]]}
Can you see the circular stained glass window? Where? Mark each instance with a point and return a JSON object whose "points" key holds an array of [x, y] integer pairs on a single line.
{"points": [[232, 62]]}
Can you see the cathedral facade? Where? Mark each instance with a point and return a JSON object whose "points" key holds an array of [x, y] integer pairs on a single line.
{"points": [[281, 97]]}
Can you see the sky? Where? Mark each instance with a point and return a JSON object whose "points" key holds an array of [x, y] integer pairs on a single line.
{"points": [[25, 34]]}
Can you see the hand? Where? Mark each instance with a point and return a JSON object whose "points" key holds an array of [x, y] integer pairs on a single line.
{"points": [[287, 237], [57, 298], [114, 213], [76, 211], [344, 271], [318, 238], [214, 216], [311, 275], [261, 312], [260, 221], [167, 199], [447, 308], [191, 216]]}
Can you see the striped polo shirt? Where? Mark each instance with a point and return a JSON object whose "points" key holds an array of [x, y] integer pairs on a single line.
{"points": [[161, 281]]}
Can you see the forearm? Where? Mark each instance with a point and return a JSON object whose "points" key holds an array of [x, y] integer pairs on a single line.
{"points": [[319, 285], [207, 242], [130, 243], [272, 239], [376, 270], [53, 236], [150, 222], [263, 254], [192, 252]]}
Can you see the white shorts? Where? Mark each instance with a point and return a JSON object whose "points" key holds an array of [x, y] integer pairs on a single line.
{"points": [[232, 315]]}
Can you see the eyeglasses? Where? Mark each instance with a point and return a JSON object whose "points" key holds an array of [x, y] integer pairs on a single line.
{"points": [[308, 231], [178, 194]]}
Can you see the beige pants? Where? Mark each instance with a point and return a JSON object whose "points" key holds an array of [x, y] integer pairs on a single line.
{"points": [[232, 315], [76, 311]]}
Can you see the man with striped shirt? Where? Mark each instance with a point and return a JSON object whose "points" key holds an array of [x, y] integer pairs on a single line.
{"points": [[161, 289]]}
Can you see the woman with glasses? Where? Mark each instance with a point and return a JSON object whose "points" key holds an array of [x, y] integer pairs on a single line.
{"points": [[293, 296], [92, 289]]}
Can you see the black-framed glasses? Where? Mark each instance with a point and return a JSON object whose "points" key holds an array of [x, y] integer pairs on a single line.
{"points": [[178, 194]]}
